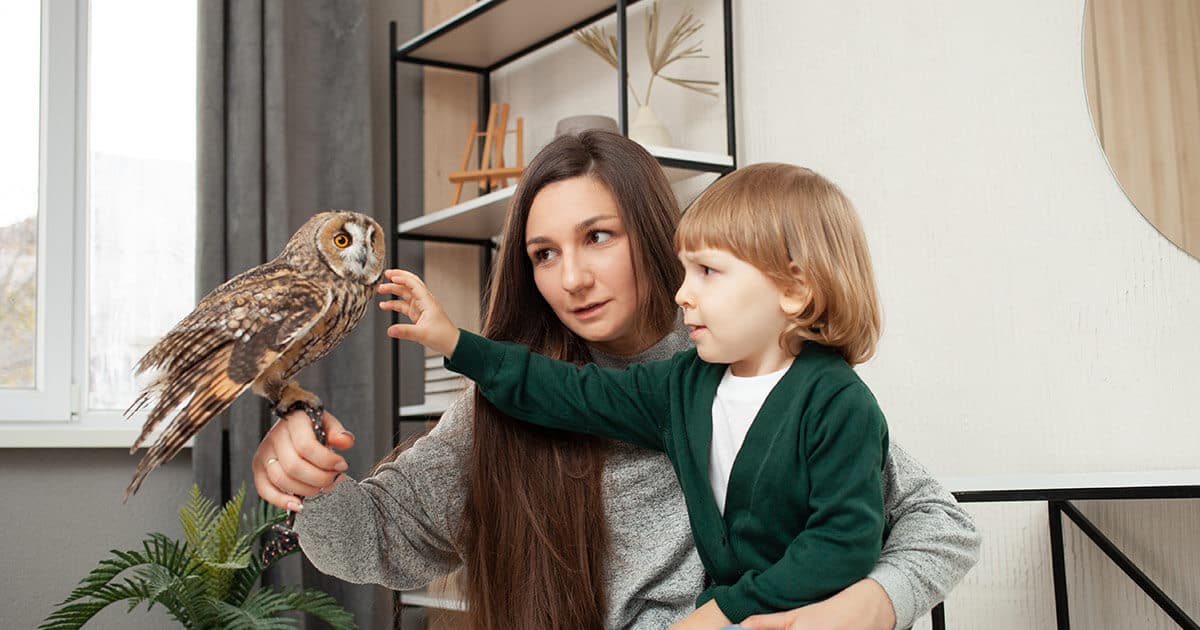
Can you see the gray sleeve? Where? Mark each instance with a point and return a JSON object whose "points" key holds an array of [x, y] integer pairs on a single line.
{"points": [[932, 544], [398, 527]]}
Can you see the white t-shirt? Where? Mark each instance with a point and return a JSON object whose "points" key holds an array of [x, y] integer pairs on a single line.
{"points": [[736, 404]]}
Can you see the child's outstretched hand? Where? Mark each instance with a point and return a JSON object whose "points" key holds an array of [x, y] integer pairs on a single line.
{"points": [[430, 326]]}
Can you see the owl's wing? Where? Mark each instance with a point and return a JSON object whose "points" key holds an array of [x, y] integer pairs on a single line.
{"points": [[307, 304], [253, 299], [216, 352]]}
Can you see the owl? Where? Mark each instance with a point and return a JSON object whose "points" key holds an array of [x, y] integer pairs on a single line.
{"points": [[259, 329]]}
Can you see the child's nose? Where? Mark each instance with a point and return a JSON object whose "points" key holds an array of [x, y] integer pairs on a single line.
{"points": [[683, 297]]}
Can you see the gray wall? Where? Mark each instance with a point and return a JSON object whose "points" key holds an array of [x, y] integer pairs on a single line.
{"points": [[61, 513]]}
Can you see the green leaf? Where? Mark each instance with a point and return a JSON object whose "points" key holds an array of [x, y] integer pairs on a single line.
{"points": [[313, 602], [195, 517], [225, 528], [75, 614], [208, 582]]}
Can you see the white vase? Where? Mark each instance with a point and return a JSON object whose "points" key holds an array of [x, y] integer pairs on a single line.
{"points": [[648, 129]]}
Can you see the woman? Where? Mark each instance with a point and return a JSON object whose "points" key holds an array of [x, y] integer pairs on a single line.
{"points": [[559, 530]]}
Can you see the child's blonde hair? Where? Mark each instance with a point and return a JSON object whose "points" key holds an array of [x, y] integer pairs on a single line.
{"points": [[801, 231]]}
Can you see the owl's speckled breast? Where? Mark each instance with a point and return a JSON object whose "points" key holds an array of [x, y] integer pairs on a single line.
{"points": [[348, 306]]}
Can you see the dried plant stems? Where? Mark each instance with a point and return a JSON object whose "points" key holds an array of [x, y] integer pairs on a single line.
{"points": [[674, 48], [605, 45], [677, 38]]}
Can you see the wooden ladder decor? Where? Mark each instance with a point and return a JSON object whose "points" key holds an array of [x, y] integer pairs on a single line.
{"points": [[491, 172]]}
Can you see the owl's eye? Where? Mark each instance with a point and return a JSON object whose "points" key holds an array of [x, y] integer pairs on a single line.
{"points": [[342, 240]]}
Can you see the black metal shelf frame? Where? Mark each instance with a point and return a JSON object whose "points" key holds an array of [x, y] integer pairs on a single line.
{"points": [[405, 53], [1059, 501]]}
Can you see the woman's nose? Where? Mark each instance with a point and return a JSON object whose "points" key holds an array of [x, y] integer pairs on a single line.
{"points": [[576, 275]]}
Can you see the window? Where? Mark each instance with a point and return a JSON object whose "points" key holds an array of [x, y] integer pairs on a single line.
{"points": [[20, 47], [104, 248]]}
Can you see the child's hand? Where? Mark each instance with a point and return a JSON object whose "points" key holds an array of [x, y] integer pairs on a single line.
{"points": [[430, 326], [706, 617]]}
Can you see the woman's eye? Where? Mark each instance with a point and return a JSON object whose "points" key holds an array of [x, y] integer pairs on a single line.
{"points": [[342, 240], [542, 255], [599, 236]]}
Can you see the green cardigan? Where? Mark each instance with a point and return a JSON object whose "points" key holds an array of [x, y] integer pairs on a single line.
{"points": [[804, 513]]}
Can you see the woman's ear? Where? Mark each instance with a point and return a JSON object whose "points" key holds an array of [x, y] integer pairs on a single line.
{"points": [[797, 295]]}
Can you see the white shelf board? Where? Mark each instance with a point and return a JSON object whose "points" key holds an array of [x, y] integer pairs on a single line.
{"points": [[482, 218], [421, 598], [479, 218], [1068, 481], [410, 411], [492, 30], [671, 153]]}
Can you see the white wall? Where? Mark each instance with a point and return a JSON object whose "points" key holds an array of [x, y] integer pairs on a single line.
{"points": [[1031, 312], [1034, 321]]}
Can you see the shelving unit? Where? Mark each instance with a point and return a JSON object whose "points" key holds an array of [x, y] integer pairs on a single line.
{"points": [[477, 221], [481, 39]]}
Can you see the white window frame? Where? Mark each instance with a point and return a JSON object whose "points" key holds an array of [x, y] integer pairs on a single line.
{"points": [[54, 413]]}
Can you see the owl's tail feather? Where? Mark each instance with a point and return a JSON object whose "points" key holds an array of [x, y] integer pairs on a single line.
{"points": [[207, 390], [185, 348]]}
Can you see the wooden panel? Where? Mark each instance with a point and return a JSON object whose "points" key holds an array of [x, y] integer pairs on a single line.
{"points": [[1159, 537], [1184, 64], [1012, 585], [1146, 93], [452, 271]]}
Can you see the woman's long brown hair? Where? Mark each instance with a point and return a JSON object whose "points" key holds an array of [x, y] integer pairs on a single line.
{"points": [[534, 535]]}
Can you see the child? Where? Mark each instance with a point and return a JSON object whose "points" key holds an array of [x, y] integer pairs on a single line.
{"points": [[777, 444]]}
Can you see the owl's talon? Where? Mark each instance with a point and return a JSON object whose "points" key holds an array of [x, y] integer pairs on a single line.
{"points": [[315, 415], [318, 423], [281, 541]]}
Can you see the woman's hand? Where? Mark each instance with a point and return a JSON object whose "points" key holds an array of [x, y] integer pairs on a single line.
{"points": [[863, 604], [290, 463], [430, 326], [706, 617]]}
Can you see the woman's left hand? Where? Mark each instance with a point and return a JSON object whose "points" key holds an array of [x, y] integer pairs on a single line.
{"points": [[430, 326], [863, 604]]}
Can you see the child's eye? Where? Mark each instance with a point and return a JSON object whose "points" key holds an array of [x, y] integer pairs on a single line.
{"points": [[708, 271], [599, 236]]}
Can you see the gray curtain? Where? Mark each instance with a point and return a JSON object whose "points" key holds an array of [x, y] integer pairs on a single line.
{"points": [[285, 131]]}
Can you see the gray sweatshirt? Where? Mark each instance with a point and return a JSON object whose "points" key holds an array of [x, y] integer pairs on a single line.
{"points": [[399, 527]]}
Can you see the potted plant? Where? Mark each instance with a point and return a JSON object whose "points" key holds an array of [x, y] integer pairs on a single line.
{"points": [[208, 580]]}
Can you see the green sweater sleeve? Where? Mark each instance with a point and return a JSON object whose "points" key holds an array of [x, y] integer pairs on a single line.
{"points": [[629, 405], [840, 543]]}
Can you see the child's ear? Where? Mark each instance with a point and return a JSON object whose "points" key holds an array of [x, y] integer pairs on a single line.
{"points": [[797, 295]]}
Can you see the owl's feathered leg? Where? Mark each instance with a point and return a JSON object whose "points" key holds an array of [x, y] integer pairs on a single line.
{"points": [[314, 415], [283, 539], [285, 397]]}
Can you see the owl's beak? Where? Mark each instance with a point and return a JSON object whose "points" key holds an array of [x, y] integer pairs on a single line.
{"points": [[362, 260]]}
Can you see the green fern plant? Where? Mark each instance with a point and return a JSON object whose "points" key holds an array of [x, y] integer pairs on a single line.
{"points": [[208, 580]]}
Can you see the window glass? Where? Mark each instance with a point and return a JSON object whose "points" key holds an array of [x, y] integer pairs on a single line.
{"points": [[142, 182], [20, 118]]}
